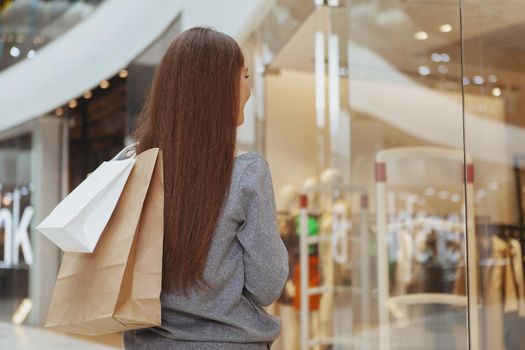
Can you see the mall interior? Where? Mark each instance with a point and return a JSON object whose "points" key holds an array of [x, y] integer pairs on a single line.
{"points": [[401, 121]]}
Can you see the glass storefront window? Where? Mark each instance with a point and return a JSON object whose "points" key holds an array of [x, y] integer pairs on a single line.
{"points": [[408, 147], [15, 211], [395, 135], [405, 102], [31, 167], [495, 137]]}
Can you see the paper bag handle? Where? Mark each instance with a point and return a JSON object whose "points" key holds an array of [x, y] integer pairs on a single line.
{"points": [[127, 152]]}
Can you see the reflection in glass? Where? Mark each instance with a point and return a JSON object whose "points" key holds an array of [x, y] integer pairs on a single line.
{"points": [[15, 203], [405, 103], [495, 136]]}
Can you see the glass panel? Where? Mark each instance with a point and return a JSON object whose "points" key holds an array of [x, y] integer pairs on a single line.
{"points": [[279, 25], [260, 50], [28, 25], [299, 164], [15, 201], [494, 57], [372, 92], [406, 145]]}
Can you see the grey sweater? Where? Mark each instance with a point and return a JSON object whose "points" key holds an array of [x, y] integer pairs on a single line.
{"points": [[247, 267]]}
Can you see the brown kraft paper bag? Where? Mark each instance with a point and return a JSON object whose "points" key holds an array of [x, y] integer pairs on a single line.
{"points": [[117, 287]]}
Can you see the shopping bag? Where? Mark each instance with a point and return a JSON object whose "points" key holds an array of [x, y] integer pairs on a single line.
{"points": [[76, 223], [118, 286]]}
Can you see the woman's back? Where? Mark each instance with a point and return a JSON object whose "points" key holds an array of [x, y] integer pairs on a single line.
{"points": [[246, 269]]}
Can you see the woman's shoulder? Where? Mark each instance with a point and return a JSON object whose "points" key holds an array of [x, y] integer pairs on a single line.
{"points": [[249, 157], [252, 167], [250, 163]]}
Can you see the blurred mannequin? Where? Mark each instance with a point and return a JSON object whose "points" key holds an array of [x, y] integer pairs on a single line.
{"points": [[334, 207], [288, 198], [330, 178], [310, 187]]}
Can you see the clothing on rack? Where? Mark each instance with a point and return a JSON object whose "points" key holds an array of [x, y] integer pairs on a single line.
{"points": [[415, 241], [314, 277], [405, 254], [286, 224], [504, 289]]}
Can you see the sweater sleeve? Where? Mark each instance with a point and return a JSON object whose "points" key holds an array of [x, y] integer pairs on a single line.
{"points": [[264, 254]]}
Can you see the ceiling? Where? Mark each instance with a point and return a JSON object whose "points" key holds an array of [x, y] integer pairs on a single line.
{"points": [[493, 37], [384, 49]]}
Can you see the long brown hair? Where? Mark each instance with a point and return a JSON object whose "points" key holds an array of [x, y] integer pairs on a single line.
{"points": [[191, 115]]}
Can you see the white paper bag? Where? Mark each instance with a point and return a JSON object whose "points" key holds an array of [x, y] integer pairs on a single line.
{"points": [[76, 223]]}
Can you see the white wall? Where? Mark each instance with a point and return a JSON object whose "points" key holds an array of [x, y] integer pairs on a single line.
{"points": [[290, 129]]}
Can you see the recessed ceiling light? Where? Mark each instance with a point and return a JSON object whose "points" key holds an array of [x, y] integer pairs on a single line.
{"points": [[87, 95], [492, 78], [496, 92], [445, 57], [424, 70], [421, 35], [15, 51], [436, 57], [445, 28], [104, 84], [478, 80], [466, 81], [73, 103], [123, 73], [31, 54], [59, 111]]}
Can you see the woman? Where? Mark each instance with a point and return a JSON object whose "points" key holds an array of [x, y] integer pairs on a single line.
{"points": [[223, 257]]}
